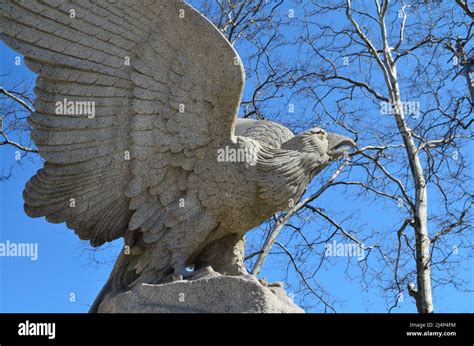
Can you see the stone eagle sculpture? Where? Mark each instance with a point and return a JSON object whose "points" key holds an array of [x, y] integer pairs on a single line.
{"points": [[165, 86]]}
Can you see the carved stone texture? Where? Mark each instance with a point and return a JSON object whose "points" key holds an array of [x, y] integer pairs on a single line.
{"points": [[212, 294], [136, 119]]}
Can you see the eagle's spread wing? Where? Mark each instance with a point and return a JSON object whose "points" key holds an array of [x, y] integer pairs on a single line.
{"points": [[165, 86]]}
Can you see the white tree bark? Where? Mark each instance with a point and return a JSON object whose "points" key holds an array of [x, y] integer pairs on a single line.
{"points": [[423, 297], [423, 294]]}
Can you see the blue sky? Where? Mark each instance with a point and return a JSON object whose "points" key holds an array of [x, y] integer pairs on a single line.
{"points": [[66, 277]]}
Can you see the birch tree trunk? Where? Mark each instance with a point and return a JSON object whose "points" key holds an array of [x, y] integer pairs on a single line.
{"points": [[423, 294]]}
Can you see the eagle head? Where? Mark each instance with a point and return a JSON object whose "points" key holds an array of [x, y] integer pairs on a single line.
{"points": [[338, 145], [327, 146]]}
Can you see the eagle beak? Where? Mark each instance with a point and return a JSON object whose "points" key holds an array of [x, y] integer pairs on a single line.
{"points": [[338, 145]]}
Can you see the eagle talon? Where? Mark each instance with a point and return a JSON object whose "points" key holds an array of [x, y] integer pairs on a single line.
{"points": [[181, 273], [202, 272], [177, 277]]}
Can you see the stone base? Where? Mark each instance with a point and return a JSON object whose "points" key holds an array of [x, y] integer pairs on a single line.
{"points": [[213, 293]]}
